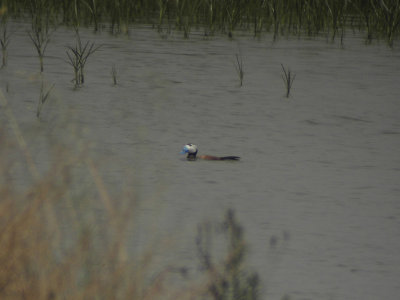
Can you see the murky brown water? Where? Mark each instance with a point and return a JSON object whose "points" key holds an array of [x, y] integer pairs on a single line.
{"points": [[320, 171]]}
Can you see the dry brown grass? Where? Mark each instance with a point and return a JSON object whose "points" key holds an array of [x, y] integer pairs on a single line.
{"points": [[35, 261], [60, 239]]}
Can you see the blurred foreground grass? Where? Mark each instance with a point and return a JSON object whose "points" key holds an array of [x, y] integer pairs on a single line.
{"points": [[58, 239], [49, 249], [61, 240]]}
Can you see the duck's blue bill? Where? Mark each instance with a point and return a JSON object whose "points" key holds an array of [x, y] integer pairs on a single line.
{"points": [[184, 150]]}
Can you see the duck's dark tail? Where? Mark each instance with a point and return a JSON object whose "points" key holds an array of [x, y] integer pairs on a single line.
{"points": [[230, 158]]}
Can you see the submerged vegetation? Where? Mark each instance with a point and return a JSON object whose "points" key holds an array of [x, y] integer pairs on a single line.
{"points": [[375, 18]]}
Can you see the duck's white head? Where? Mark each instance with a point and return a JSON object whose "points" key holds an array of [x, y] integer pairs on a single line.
{"points": [[189, 148]]}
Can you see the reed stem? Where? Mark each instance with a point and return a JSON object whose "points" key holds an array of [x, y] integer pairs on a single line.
{"points": [[288, 78], [44, 94], [4, 41], [239, 68], [114, 74]]}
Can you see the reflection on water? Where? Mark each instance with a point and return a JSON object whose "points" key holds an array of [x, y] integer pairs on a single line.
{"points": [[317, 187]]}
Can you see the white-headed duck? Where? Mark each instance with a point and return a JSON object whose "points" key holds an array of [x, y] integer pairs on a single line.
{"points": [[191, 151]]}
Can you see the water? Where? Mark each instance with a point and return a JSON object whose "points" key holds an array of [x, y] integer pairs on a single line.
{"points": [[317, 188]]}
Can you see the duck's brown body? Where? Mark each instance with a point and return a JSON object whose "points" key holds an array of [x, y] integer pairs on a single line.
{"points": [[205, 157], [210, 157], [191, 151]]}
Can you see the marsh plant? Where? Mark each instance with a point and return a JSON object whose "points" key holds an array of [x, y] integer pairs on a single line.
{"points": [[114, 74], [288, 78], [77, 58], [239, 68], [42, 17], [92, 6], [276, 9], [121, 13], [228, 277], [374, 18], [40, 38], [187, 15], [335, 16], [4, 41], [388, 12], [162, 11], [44, 94]]}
